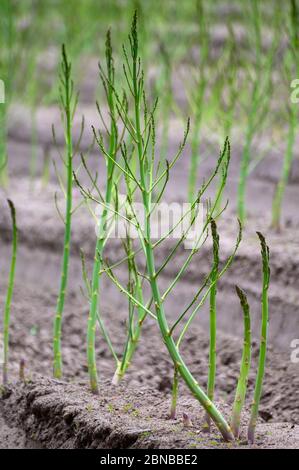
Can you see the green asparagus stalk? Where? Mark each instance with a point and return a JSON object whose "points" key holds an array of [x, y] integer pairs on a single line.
{"points": [[174, 395], [183, 370], [263, 341], [245, 365], [260, 96], [68, 104], [198, 98], [213, 320], [7, 68], [95, 283], [11, 280], [293, 119], [135, 289], [287, 163]]}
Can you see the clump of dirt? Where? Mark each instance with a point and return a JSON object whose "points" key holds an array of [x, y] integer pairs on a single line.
{"points": [[60, 415], [11, 437]]}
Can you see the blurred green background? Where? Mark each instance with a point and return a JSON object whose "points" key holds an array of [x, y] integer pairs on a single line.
{"points": [[226, 64]]}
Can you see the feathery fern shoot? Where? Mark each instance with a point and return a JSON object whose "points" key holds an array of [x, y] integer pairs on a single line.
{"points": [[286, 168], [198, 98], [260, 97], [145, 185], [68, 107], [290, 72], [263, 341], [108, 83], [134, 327], [11, 280], [7, 64], [245, 365], [255, 103]]}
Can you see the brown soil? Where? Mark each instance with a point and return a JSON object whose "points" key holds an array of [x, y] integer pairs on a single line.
{"points": [[60, 415]]}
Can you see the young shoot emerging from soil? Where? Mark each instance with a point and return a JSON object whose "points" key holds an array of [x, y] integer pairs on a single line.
{"points": [[106, 201], [290, 70], [260, 81], [10, 288], [140, 124], [68, 108], [142, 174], [263, 341], [245, 365], [211, 280]]}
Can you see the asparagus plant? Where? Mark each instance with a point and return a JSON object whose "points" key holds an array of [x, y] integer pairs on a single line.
{"points": [[174, 393], [139, 131], [263, 340], [165, 84], [213, 319], [292, 57], [7, 38], [228, 91], [134, 288], [68, 101], [11, 280], [245, 365], [259, 102], [32, 80], [198, 97], [134, 325], [108, 82], [32, 93], [211, 279], [286, 168], [142, 130]]}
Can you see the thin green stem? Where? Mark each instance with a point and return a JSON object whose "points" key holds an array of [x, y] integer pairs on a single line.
{"points": [[245, 366], [134, 330], [95, 282], [226, 150], [286, 168], [213, 318], [7, 74], [263, 340], [195, 144], [174, 394], [9, 294], [3, 147], [67, 108], [244, 171], [201, 303], [199, 96], [150, 261], [34, 142]]}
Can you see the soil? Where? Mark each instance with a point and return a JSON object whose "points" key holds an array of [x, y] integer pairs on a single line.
{"points": [[57, 414]]}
